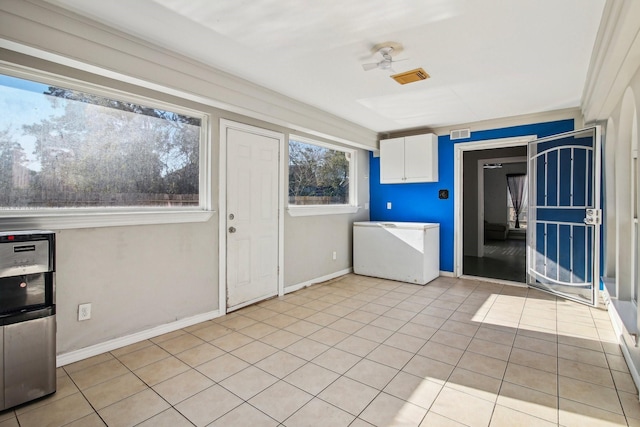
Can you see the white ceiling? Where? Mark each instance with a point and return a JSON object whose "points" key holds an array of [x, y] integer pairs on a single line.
{"points": [[487, 58]]}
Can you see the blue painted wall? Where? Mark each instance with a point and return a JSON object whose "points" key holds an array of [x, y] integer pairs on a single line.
{"points": [[420, 202]]}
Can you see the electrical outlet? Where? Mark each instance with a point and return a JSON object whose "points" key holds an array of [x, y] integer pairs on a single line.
{"points": [[335, 255], [84, 312]]}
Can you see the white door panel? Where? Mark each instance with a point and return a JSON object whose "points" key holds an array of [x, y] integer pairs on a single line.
{"points": [[416, 153], [252, 217]]}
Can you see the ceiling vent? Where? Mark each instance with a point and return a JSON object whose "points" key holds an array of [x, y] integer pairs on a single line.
{"points": [[410, 76], [459, 134]]}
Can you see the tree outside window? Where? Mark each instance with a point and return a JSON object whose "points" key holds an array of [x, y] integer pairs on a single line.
{"points": [[64, 148], [318, 175]]}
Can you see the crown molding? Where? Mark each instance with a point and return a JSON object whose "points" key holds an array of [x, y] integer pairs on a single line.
{"points": [[614, 61], [48, 32], [542, 117]]}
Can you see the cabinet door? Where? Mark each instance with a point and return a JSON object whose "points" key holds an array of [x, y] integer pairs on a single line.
{"points": [[392, 160], [29, 360], [421, 158]]}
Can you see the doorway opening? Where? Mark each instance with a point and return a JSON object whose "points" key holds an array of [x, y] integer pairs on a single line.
{"points": [[502, 247], [489, 245]]}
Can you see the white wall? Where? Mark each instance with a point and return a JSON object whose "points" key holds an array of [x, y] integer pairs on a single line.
{"points": [[311, 240], [612, 98], [495, 191], [142, 277], [135, 277], [621, 240]]}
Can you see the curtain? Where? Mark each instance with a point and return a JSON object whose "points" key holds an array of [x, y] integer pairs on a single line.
{"points": [[515, 184]]}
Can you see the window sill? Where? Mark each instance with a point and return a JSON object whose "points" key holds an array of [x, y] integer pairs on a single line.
{"points": [[627, 311], [321, 210], [609, 283], [98, 218]]}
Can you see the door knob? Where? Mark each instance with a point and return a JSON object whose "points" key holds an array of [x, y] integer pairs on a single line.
{"points": [[232, 229]]}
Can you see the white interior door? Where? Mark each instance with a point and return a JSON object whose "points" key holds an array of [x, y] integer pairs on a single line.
{"points": [[564, 215], [252, 223]]}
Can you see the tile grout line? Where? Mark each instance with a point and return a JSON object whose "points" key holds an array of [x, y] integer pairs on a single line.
{"points": [[440, 293]]}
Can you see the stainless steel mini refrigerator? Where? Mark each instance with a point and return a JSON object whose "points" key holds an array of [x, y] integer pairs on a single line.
{"points": [[27, 316]]}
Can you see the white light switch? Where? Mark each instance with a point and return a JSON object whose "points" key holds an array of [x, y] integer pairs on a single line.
{"points": [[388, 205]]}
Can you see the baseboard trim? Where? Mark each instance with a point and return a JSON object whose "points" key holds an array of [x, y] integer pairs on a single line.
{"points": [[317, 280], [447, 273], [94, 350], [632, 368]]}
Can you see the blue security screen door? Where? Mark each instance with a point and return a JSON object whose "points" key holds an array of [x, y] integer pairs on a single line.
{"points": [[564, 215]]}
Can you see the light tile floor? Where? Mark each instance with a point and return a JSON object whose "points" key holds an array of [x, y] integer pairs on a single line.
{"points": [[360, 351]]}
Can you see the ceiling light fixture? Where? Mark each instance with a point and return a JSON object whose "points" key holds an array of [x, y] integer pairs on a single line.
{"points": [[492, 165], [387, 50]]}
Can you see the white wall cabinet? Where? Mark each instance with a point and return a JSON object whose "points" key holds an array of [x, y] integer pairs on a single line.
{"points": [[409, 159]]}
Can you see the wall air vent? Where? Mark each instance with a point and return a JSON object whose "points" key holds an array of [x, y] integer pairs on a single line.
{"points": [[459, 134], [410, 76]]}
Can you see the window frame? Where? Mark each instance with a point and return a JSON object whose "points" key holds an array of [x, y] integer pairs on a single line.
{"points": [[77, 217], [333, 209]]}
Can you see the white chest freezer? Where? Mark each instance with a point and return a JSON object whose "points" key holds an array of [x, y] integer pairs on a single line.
{"points": [[403, 251]]}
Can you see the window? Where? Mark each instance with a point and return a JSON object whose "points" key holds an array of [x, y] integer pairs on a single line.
{"points": [[517, 201], [64, 149], [321, 178]]}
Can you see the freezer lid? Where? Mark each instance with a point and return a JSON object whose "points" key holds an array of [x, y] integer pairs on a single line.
{"points": [[397, 224]]}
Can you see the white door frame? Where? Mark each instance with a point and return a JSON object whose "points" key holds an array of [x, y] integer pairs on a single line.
{"points": [[222, 204], [458, 150], [481, 162]]}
